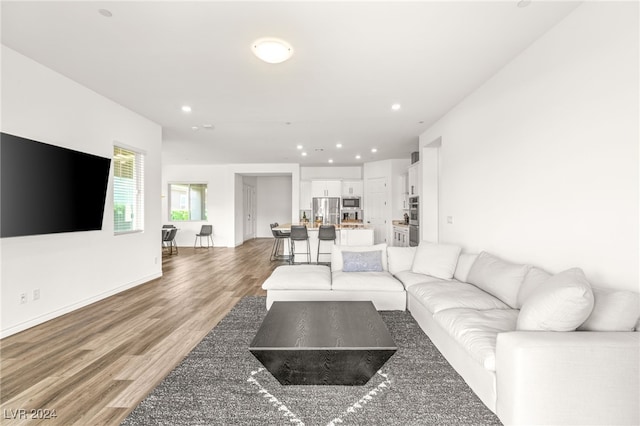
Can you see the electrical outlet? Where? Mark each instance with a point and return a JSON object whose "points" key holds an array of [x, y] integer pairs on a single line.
{"points": [[23, 298], [36, 294], [155, 260]]}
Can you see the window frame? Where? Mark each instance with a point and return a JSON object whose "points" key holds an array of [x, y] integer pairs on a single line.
{"points": [[204, 213], [138, 180]]}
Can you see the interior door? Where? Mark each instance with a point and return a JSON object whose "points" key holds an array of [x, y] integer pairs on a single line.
{"points": [[376, 199], [249, 209]]}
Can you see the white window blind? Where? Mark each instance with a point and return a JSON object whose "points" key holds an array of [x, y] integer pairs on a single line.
{"points": [[128, 190]]}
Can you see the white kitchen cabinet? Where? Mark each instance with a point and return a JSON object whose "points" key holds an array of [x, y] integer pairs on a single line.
{"points": [[356, 237], [404, 191], [352, 188], [305, 195], [414, 179], [326, 188], [400, 236]]}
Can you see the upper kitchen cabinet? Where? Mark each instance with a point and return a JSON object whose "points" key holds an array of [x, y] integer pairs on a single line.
{"points": [[305, 195], [352, 188], [326, 188], [414, 179]]}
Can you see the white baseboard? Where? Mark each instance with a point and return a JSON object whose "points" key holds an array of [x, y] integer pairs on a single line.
{"points": [[70, 308]]}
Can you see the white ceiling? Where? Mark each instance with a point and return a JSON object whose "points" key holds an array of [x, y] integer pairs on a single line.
{"points": [[352, 61]]}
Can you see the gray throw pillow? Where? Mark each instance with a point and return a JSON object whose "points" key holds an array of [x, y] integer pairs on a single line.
{"points": [[362, 261]]}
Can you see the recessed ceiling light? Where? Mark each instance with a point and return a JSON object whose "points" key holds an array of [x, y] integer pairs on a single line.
{"points": [[106, 13], [358, 157], [374, 150], [299, 146], [208, 126], [304, 154], [330, 160], [338, 145], [395, 107], [186, 108], [194, 128], [272, 50]]}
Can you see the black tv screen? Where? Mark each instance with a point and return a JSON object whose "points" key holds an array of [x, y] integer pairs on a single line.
{"points": [[47, 189]]}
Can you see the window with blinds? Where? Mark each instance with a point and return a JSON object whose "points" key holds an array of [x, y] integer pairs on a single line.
{"points": [[187, 201], [128, 190]]}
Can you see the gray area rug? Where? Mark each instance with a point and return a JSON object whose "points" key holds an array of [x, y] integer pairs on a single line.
{"points": [[221, 383]]}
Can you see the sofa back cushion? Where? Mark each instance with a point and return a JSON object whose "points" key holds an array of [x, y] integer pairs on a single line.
{"points": [[532, 280], [465, 261], [561, 303], [613, 310], [436, 260], [337, 262], [498, 277], [400, 258]]}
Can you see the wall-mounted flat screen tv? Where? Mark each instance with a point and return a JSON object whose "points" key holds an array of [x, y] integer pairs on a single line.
{"points": [[47, 189]]}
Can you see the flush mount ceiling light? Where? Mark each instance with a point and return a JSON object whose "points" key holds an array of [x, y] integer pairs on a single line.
{"points": [[358, 157], [338, 145], [272, 50], [374, 150], [186, 108], [395, 107]]}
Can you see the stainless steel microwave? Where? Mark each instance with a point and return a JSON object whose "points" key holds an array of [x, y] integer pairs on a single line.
{"points": [[351, 203]]}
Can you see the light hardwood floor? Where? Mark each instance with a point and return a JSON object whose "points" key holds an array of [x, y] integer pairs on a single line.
{"points": [[94, 365]]}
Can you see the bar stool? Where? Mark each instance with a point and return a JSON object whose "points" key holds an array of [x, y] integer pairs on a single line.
{"points": [[325, 233], [299, 233], [277, 243]]}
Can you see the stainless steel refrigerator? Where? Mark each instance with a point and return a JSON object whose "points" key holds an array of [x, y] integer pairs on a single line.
{"points": [[326, 210]]}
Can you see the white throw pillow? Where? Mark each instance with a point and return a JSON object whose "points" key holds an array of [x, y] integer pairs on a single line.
{"points": [[532, 280], [613, 310], [498, 277], [465, 262], [561, 303], [436, 260], [400, 258], [336, 254]]}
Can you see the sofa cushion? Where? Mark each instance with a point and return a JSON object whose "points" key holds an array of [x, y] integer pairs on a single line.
{"points": [[498, 277], [477, 331], [409, 278], [613, 310], [365, 281], [362, 261], [440, 295], [561, 303], [437, 260], [336, 254], [532, 280], [465, 261], [299, 277], [400, 258]]}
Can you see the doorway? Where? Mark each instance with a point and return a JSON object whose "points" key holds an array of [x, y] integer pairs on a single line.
{"points": [[376, 209], [249, 211]]}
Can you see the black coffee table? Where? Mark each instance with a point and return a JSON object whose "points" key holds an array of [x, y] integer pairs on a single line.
{"points": [[323, 343]]}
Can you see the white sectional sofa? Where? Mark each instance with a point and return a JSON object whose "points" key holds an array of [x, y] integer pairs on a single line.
{"points": [[507, 329]]}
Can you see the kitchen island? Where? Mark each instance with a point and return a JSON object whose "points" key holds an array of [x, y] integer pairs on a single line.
{"points": [[347, 234]]}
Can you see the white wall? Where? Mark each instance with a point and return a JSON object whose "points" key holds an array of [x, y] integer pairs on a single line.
{"points": [[225, 199], [74, 269], [337, 172], [273, 203], [540, 164]]}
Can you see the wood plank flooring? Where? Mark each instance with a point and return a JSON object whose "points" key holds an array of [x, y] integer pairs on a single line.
{"points": [[94, 365]]}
